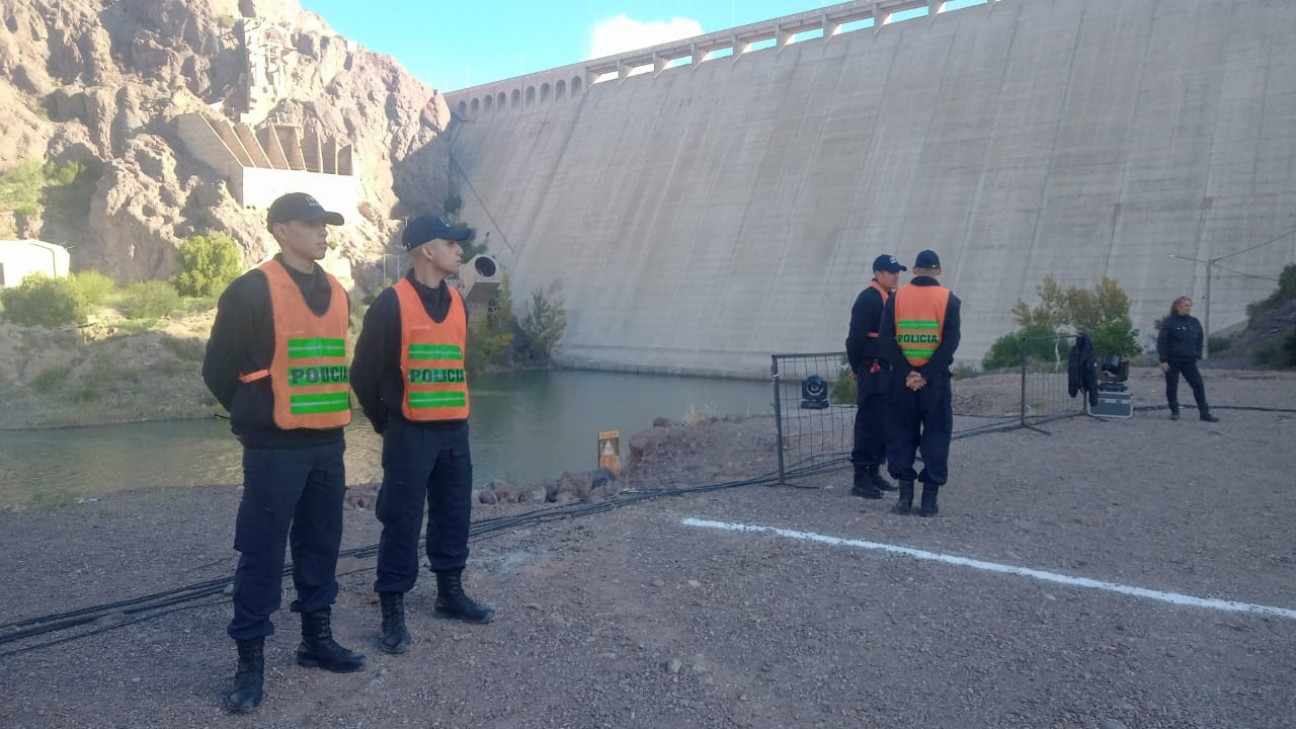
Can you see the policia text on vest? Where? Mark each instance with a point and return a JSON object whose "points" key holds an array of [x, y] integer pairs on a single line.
{"points": [[426, 375]]}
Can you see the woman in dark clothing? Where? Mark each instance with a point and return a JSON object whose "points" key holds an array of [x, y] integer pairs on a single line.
{"points": [[1179, 346]]}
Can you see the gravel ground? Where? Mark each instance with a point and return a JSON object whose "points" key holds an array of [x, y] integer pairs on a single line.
{"points": [[633, 618]]}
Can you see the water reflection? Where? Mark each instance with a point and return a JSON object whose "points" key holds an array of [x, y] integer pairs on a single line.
{"points": [[526, 426]]}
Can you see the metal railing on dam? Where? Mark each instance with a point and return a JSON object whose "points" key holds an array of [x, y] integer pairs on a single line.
{"points": [[569, 82]]}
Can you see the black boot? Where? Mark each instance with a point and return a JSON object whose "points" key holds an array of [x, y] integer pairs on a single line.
{"points": [[318, 649], [905, 503], [875, 473], [1174, 412], [246, 695], [929, 507], [395, 638], [1207, 417], [864, 486], [451, 601]]}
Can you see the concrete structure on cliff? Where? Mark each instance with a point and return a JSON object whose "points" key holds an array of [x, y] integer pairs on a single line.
{"points": [[703, 204], [262, 164]]}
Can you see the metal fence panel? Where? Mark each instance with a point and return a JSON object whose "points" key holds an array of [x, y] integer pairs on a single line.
{"points": [[810, 435], [815, 433]]}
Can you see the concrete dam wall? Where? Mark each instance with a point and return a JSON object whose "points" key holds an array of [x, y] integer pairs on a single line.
{"points": [[723, 206]]}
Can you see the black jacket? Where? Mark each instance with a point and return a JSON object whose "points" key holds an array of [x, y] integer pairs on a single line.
{"points": [[866, 318], [943, 358], [1180, 339], [243, 341], [375, 370], [1082, 369]]}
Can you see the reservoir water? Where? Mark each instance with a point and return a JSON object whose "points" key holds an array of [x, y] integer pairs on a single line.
{"points": [[525, 427]]}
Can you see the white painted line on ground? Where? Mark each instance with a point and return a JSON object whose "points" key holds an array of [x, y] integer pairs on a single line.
{"points": [[1170, 597]]}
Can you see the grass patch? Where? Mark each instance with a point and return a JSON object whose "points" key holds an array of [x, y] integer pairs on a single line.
{"points": [[695, 416], [189, 350], [51, 378]]}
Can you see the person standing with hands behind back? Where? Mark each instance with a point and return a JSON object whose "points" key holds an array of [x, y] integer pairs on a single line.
{"points": [[1179, 346], [919, 335], [408, 373], [276, 360]]}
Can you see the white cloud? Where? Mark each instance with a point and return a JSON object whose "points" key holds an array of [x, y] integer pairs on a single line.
{"points": [[621, 33]]}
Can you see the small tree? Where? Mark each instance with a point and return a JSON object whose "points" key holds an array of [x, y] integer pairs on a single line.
{"points": [[542, 328], [42, 301], [207, 264]]}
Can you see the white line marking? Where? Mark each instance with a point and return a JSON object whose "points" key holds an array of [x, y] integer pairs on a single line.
{"points": [[1170, 597]]}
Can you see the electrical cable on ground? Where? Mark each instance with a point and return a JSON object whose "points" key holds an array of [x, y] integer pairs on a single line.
{"points": [[158, 604]]}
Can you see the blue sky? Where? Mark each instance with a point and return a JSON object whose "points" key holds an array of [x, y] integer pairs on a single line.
{"points": [[454, 45]]}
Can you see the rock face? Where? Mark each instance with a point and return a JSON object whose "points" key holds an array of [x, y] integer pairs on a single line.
{"points": [[100, 82]]}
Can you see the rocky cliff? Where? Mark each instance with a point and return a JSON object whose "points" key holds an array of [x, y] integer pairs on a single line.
{"points": [[101, 83]]}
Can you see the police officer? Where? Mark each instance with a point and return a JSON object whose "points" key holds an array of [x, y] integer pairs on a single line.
{"points": [[872, 376], [409, 377], [919, 335], [276, 360]]}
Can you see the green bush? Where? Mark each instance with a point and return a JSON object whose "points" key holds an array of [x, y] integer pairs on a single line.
{"points": [[1277, 353], [20, 188], [1286, 285], [150, 300], [70, 185], [95, 286], [45, 302], [207, 264], [490, 341], [1041, 346]]}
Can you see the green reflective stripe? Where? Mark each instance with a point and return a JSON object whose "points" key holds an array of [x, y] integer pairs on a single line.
{"points": [[435, 351], [917, 324], [323, 402], [918, 353], [306, 348], [437, 399]]}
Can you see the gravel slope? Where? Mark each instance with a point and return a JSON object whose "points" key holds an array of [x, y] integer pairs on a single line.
{"points": [[631, 618]]}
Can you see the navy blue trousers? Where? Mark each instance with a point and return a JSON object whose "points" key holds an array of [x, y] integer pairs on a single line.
{"points": [[1190, 373], [293, 496], [423, 464], [919, 421], [870, 424]]}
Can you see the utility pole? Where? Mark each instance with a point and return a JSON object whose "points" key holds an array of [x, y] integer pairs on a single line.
{"points": [[1210, 274]]}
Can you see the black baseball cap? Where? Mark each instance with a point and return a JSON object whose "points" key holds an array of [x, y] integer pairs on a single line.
{"points": [[888, 263], [927, 259], [423, 228], [300, 206]]}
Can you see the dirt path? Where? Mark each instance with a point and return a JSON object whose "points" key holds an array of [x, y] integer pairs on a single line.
{"points": [[641, 617]]}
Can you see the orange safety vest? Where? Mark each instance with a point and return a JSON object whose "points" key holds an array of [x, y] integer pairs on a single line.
{"points": [[432, 358], [309, 373], [919, 320], [873, 284]]}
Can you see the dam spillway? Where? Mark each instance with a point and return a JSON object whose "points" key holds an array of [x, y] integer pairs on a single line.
{"points": [[701, 205]]}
